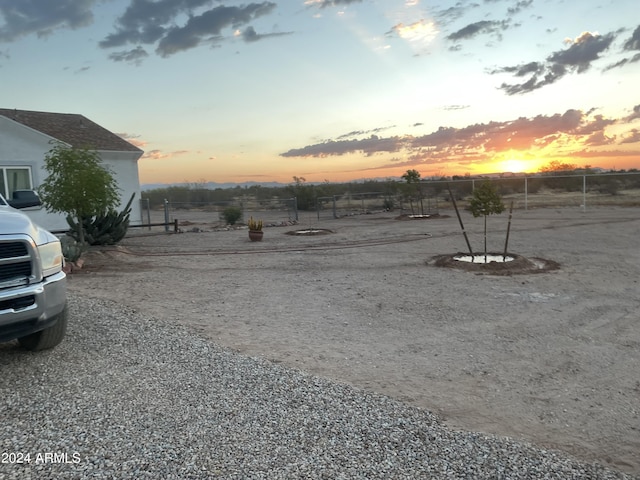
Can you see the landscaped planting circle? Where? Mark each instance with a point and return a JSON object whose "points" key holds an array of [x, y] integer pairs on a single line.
{"points": [[310, 232], [495, 264]]}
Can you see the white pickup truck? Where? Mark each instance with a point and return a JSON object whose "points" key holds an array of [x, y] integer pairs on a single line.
{"points": [[33, 288]]}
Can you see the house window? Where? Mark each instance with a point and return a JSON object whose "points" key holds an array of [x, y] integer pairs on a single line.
{"points": [[14, 178]]}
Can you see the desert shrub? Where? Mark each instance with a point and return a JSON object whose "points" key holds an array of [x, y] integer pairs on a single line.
{"points": [[232, 214], [388, 204], [71, 248]]}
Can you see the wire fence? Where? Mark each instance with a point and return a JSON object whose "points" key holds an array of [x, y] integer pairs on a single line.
{"points": [[580, 191], [184, 214]]}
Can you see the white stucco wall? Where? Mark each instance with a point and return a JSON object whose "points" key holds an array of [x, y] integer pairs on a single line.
{"points": [[25, 147]]}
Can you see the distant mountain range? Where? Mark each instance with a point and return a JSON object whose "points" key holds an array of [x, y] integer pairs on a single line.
{"points": [[209, 185], [213, 185]]}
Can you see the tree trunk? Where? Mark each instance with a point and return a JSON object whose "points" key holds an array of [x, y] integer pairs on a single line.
{"points": [[485, 239], [80, 230]]}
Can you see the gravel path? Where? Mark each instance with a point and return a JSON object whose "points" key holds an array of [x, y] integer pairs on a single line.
{"points": [[130, 397]]}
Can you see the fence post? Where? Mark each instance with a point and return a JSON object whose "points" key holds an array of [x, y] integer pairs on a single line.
{"points": [[584, 193], [166, 215], [149, 213], [526, 194]]}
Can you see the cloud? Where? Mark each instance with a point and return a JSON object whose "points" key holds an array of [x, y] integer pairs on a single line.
{"points": [[519, 6], [455, 107], [147, 22], [635, 115], [451, 14], [155, 155], [484, 26], [160, 155], [582, 52], [573, 129], [633, 136], [356, 133], [25, 17], [134, 56], [330, 3], [421, 32], [634, 42], [250, 35], [133, 139], [599, 139], [368, 146]]}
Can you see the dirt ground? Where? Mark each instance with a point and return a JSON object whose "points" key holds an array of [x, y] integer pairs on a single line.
{"points": [[552, 358]]}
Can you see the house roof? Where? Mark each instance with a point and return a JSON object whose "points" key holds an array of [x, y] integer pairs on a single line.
{"points": [[71, 128]]}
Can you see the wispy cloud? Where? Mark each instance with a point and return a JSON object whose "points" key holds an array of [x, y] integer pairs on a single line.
{"points": [[635, 115], [483, 26], [161, 155], [134, 56], [631, 45], [421, 32], [249, 34], [632, 136], [132, 139], [330, 3], [577, 58], [519, 6]]}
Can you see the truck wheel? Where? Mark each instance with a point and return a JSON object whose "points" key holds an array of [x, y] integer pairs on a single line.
{"points": [[49, 337]]}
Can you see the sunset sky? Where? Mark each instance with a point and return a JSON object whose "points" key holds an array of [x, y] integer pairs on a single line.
{"points": [[335, 90]]}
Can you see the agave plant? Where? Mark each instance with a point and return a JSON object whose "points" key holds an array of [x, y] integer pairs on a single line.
{"points": [[106, 228]]}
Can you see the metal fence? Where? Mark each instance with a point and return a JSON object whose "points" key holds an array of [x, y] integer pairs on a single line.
{"points": [[348, 204], [187, 213], [543, 190], [533, 191]]}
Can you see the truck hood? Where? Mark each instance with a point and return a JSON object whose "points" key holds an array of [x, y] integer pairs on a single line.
{"points": [[15, 222]]}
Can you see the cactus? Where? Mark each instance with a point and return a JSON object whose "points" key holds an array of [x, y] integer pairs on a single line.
{"points": [[71, 248], [254, 224], [106, 228]]}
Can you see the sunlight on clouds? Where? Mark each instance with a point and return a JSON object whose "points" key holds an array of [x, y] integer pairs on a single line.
{"points": [[583, 37], [420, 33]]}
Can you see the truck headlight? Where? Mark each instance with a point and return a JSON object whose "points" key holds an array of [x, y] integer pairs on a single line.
{"points": [[51, 258]]}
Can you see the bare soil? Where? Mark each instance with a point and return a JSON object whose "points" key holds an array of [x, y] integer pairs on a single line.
{"points": [[549, 357]]}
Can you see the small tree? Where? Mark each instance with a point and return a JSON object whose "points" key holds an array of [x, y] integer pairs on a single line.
{"points": [[412, 177], [78, 184], [486, 201]]}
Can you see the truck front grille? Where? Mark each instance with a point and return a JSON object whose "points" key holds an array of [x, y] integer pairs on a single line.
{"points": [[15, 263], [18, 303]]}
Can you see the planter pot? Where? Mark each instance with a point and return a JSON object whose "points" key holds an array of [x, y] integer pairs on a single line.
{"points": [[255, 235]]}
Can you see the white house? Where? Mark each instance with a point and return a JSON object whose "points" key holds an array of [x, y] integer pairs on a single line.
{"points": [[25, 139]]}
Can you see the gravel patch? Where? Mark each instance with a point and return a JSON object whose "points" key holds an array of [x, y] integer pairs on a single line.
{"points": [[126, 396]]}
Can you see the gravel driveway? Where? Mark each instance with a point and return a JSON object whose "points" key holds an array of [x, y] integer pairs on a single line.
{"points": [[130, 397]]}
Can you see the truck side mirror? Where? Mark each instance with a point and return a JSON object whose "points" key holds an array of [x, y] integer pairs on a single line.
{"points": [[24, 199]]}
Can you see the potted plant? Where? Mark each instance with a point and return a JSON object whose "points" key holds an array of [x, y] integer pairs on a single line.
{"points": [[255, 229]]}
